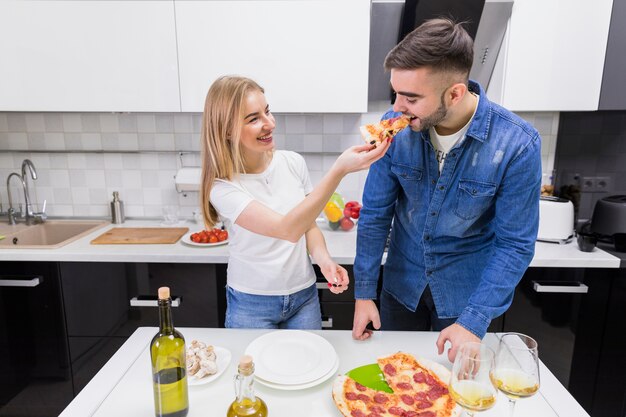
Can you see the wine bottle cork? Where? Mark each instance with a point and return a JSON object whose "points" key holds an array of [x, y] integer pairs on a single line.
{"points": [[164, 293]]}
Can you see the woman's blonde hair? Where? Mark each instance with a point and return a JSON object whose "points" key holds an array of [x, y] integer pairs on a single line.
{"points": [[222, 122]]}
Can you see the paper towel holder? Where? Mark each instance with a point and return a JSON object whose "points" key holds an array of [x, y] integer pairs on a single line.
{"points": [[187, 178]]}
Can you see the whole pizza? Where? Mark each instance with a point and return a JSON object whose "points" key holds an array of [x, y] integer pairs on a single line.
{"points": [[420, 389]]}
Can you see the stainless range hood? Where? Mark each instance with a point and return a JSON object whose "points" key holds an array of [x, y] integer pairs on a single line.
{"points": [[489, 37], [386, 26]]}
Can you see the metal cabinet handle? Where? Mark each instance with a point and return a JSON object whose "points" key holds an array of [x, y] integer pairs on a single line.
{"points": [[21, 282], [328, 323], [150, 301], [576, 288], [321, 285]]}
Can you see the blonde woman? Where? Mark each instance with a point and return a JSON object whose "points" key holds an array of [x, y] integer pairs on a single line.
{"points": [[265, 198]]}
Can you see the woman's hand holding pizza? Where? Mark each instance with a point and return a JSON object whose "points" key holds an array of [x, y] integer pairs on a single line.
{"points": [[360, 157]]}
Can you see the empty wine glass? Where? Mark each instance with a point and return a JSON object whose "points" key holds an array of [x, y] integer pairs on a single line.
{"points": [[516, 373], [470, 383]]}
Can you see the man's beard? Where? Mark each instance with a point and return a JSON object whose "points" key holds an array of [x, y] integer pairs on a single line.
{"points": [[436, 117]]}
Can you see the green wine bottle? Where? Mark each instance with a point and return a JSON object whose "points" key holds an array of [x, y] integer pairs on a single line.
{"points": [[169, 371]]}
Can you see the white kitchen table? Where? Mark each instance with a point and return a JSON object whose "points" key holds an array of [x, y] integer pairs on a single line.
{"points": [[123, 386]]}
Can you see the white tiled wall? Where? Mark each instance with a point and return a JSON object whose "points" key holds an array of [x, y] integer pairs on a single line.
{"points": [[81, 158]]}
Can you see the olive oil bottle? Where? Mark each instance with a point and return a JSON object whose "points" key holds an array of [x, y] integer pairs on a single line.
{"points": [[246, 404], [169, 371]]}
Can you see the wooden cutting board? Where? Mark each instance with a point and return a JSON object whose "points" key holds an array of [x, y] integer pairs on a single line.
{"points": [[140, 235]]}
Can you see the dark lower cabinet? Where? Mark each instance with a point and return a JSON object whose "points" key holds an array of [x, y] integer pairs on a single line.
{"points": [[106, 302], [565, 310], [35, 371], [609, 397]]}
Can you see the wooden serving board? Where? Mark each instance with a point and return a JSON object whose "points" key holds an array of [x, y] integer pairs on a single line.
{"points": [[140, 235]]}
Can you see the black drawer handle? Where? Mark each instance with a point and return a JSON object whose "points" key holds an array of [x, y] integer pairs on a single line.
{"points": [[327, 322], [152, 301], [567, 287]]}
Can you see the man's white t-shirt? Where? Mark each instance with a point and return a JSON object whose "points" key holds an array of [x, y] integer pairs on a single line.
{"points": [[259, 264], [444, 143]]}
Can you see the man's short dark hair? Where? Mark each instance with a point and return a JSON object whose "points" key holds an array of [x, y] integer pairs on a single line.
{"points": [[441, 44]]}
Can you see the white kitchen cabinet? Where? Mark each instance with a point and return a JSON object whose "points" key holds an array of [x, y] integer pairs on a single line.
{"points": [[88, 56], [552, 57], [309, 55]]}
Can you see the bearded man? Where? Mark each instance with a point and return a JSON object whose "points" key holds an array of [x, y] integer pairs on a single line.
{"points": [[457, 194]]}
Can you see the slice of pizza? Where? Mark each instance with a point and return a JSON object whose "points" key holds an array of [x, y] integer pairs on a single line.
{"points": [[385, 129], [356, 400], [428, 381], [419, 389]]}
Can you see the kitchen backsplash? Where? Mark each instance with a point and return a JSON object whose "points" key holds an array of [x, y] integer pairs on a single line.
{"points": [[591, 144], [81, 158]]}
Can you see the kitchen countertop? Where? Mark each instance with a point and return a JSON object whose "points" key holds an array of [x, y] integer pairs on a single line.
{"points": [[123, 386], [341, 246], [609, 248]]}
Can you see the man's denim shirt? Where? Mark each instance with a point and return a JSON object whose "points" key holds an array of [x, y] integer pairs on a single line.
{"points": [[469, 232]]}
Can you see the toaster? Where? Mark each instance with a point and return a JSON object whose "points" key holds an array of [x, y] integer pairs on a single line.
{"points": [[556, 220]]}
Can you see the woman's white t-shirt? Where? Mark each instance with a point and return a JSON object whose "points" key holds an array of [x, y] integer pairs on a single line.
{"points": [[260, 264]]}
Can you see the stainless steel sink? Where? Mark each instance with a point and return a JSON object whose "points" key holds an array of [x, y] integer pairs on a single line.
{"points": [[48, 235]]}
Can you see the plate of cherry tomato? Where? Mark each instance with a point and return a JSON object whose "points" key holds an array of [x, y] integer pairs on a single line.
{"points": [[213, 237]]}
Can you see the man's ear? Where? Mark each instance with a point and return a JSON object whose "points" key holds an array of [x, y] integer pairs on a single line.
{"points": [[456, 92]]}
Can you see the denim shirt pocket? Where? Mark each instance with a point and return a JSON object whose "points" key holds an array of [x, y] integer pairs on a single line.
{"points": [[473, 198], [409, 178]]}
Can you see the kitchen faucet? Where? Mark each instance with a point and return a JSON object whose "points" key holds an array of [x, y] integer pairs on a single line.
{"points": [[33, 174], [11, 211], [29, 216]]}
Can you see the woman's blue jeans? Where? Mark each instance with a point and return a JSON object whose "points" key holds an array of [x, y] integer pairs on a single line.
{"points": [[300, 310]]}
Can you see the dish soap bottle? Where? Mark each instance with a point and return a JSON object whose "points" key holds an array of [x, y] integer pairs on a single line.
{"points": [[169, 370], [246, 404]]}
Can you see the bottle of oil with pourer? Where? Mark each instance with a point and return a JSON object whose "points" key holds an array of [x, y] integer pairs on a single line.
{"points": [[247, 404], [169, 370]]}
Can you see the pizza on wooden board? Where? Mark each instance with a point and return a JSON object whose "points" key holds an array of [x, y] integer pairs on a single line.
{"points": [[420, 389], [385, 129]]}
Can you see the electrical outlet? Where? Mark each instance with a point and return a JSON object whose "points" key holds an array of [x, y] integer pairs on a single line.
{"points": [[571, 178], [596, 184], [604, 184]]}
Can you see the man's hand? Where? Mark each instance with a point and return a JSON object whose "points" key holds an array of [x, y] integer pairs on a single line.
{"points": [[365, 311], [456, 335]]}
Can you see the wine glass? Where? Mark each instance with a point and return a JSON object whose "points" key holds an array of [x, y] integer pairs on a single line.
{"points": [[470, 383], [516, 374]]}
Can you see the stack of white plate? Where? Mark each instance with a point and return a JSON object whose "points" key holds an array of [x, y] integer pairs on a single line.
{"points": [[292, 359]]}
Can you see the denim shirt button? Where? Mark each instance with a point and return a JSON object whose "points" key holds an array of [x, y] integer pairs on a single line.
{"points": [[429, 273], [434, 213], [433, 182], [441, 187], [427, 237]]}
